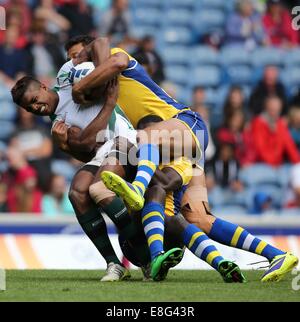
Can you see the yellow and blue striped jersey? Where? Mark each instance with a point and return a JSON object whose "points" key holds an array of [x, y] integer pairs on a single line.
{"points": [[184, 168], [140, 96]]}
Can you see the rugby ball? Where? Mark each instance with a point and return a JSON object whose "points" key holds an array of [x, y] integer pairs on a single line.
{"points": [[80, 71]]}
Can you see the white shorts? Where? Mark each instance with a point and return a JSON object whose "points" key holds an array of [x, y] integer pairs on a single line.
{"points": [[122, 128], [102, 153], [105, 150]]}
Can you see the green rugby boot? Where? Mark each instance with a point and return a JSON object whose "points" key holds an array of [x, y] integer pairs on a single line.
{"points": [[162, 263], [230, 272]]}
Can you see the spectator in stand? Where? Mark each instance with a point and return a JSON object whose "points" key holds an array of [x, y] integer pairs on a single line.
{"points": [[100, 5], [3, 164], [293, 194], [43, 49], [56, 202], [232, 129], [146, 51], [55, 23], [296, 99], [14, 62], [3, 197], [144, 60], [223, 170], [235, 101], [198, 97], [116, 22], [271, 137], [79, 14], [236, 132], [170, 88], [294, 125], [270, 85], [204, 112], [278, 25], [199, 102], [35, 144], [21, 179], [262, 203], [3, 186], [17, 15], [243, 27]]}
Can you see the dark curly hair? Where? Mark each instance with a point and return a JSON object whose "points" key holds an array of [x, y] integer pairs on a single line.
{"points": [[20, 88], [81, 39]]}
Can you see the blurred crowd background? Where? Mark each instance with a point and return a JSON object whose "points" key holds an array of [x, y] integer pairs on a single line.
{"points": [[237, 63]]}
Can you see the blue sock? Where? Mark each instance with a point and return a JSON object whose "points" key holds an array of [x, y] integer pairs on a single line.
{"points": [[148, 162], [201, 246], [153, 219], [233, 235]]}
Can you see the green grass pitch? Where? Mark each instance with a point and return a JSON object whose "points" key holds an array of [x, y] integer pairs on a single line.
{"points": [[181, 286]]}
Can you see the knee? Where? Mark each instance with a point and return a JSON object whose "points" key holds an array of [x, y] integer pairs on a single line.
{"points": [[199, 217], [77, 195], [100, 194], [205, 224]]}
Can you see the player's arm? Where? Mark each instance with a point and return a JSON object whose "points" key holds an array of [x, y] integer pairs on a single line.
{"points": [[60, 136], [108, 70], [98, 51], [85, 141]]}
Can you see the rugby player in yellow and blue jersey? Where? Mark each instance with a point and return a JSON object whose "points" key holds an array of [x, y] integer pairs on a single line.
{"points": [[194, 204], [167, 195], [163, 201], [139, 96]]}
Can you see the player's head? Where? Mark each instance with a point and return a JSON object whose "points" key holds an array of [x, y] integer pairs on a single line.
{"points": [[34, 97], [74, 45], [148, 121]]}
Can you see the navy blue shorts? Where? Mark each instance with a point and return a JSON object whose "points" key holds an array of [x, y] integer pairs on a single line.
{"points": [[195, 122]]}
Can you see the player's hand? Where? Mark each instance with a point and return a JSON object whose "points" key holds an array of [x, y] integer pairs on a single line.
{"points": [[79, 97], [112, 92], [60, 133], [73, 133]]}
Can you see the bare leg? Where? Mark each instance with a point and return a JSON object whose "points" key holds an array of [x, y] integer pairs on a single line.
{"points": [[196, 210], [169, 139], [114, 206]]}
